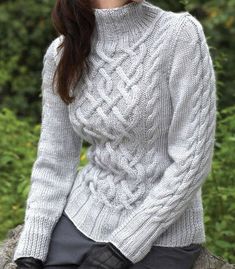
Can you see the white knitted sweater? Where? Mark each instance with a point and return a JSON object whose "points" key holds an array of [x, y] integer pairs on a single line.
{"points": [[148, 109]]}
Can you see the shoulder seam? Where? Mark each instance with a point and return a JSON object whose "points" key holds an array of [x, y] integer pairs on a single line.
{"points": [[56, 55], [183, 21], [52, 49], [172, 44]]}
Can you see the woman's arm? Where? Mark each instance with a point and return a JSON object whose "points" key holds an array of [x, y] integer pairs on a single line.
{"points": [[54, 169], [191, 137]]}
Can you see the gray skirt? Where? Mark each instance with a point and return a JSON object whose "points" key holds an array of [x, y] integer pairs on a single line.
{"points": [[68, 247]]}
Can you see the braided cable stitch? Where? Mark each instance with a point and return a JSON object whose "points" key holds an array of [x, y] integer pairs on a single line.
{"points": [[148, 109]]}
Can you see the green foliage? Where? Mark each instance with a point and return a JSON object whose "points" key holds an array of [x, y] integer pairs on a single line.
{"points": [[219, 189], [17, 150], [25, 30]]}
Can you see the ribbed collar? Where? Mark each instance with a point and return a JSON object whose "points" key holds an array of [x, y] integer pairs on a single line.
{"points": [[122, 24]]}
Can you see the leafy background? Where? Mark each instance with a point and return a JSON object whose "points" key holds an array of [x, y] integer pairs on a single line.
{"points": [[25, 32]]}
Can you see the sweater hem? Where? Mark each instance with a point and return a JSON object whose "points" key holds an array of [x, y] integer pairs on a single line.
{"points": [[98, 222]]}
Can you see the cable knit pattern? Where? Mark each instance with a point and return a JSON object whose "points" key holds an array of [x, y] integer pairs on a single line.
{"points": [[148, 109]]}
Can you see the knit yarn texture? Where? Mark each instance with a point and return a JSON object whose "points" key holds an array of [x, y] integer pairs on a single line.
{"points": [[148, 109]]}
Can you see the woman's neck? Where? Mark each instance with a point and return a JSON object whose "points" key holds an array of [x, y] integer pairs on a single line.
{"points": [[109, 3]]}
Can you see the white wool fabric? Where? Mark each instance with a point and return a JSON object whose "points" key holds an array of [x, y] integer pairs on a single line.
{"points": [[148, 109]]}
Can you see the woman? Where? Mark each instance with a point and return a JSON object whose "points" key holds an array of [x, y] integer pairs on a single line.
{"points": [[137, 82]]}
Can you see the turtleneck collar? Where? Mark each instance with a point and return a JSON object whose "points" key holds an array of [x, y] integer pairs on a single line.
{"points": [[122, 24]]}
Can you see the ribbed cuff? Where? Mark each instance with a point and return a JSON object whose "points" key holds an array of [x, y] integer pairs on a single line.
{"points": [[35, 238], [135, 241]]}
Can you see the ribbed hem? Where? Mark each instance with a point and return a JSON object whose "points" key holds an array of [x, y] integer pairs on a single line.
{"points": [[100, 223], [91, 216], [35, 238], [181, 233]]}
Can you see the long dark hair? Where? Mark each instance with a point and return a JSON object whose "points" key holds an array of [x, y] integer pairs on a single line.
{"points": [[75, 20]]}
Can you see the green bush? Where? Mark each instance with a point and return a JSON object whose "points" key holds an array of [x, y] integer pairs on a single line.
{"points": [[219, 189], [26, 31], [17, 152]]}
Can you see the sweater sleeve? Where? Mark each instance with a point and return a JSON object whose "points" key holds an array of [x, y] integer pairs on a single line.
{"points": [[191, 137], [54, 170]]}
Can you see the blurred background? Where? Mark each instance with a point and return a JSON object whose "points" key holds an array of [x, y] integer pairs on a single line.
{"points": [[26, 31]]}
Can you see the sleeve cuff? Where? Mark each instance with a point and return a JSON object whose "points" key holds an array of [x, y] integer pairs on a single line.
{"points": [[35, 238]]}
